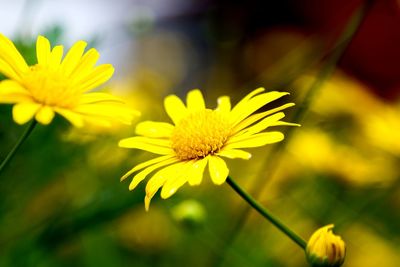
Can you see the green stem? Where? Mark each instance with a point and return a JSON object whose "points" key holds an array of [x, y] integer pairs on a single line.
{"points": [[266, 214], [25, 135]]}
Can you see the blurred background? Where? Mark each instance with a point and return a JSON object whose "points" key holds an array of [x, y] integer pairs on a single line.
{"points": [[61, 202]]}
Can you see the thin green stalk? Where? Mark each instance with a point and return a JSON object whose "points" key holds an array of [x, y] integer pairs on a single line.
{"points": [[267, 214], [23, 137]]}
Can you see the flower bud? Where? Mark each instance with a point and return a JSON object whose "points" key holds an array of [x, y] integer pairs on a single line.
{"points": [[324, 249], [189, 213]]}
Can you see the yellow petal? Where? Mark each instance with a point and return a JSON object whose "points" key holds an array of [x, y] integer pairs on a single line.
{"points": [[145, 164], [196, 171], [256, 117], [73, 57], [175, 108], [73, 117], [218, 169], [109, 111], [224, 104], [244, 110], [261, 125], [162, 176], [24, 112], [96, 77], [43, 50], [8, 71], [98, 97], [12, 92], [142, 174], [10, 55], [154, 129], [177, 179], [255, 140], [195, 101], [157, 146], [45, 115], [85, 65], [234, 153], [55, 57]]}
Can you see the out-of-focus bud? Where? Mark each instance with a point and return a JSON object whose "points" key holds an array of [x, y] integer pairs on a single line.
{"points": [[189, 213], [324, 249]]}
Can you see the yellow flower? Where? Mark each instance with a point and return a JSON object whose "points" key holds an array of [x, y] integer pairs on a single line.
{"points": [[324, 249], [56, 85], [201, 136]]}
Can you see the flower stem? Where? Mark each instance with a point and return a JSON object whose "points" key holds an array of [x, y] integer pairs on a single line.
{"points": [[267, 214], [25, 135]]}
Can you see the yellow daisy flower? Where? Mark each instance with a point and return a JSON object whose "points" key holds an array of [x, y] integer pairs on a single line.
{"points": [[201, 136], [58, 85]]}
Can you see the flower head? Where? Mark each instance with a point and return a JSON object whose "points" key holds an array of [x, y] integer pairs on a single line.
{"points": [[324, 249], [58, 85], [199, 137]]}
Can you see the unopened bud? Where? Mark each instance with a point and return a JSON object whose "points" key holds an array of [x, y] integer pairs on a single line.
{"points": [[324, 249]]}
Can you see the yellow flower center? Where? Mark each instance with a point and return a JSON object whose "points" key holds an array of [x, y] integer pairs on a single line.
{"points": [[200, 134], [50, 87]]}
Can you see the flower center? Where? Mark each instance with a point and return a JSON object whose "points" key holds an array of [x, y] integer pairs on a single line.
{"points": [[50, 87], [200, 134]]}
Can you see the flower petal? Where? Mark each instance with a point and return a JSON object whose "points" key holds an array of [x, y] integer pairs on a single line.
{"points": [[218, 169], [98, 97], [177, 178], [154, 129], [43, 50], [234, 153], [157, 146], [55, 57], [25, 111], [73, 57], [261, 125], [175, 108], [73, 117], [12, 92], [96, 77], [108, 111], [45, 115], [10, 55], [85, 65], [247, 108], [145, 164], [256, 117], [196, 171], [142, 174], [224, 104], [195, 101], [255, 140]]}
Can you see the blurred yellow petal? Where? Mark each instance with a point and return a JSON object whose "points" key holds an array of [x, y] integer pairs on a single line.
{"points": [[98, 76], [71, 116], [195, 101], [154, 129], [73, 57], [56, 56], [24, 112], [85, 65], [224, 104], [98, 97], [262, 125], [145, 164], [218, 169], [175, 108], [10, 55], [43, 50], [13, 92], [45, 115]]}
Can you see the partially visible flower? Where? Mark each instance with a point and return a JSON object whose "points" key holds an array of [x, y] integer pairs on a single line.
{"points": [[59, 85], [324, 249], [201, 136]]}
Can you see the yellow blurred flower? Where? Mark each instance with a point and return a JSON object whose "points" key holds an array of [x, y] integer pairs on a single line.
{"points": [[56, 85], [201, 136], [324, 249]]}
